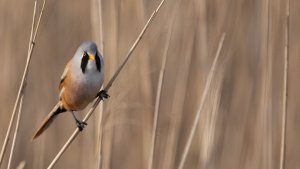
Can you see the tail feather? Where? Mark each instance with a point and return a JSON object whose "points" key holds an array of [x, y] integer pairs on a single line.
{"points": [[58, 108]]}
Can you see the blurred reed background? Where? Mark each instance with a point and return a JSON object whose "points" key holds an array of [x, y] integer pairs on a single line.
{"points": [[240, 125]]}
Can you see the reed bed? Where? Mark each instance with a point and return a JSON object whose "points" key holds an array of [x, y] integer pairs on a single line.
{"points": [[250, 115]]}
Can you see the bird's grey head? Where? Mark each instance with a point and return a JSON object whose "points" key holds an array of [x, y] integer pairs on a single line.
{"points": [[88, 46], [88, 56]]}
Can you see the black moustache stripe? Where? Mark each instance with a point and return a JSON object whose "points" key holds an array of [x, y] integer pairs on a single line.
{"points": [[98, 62], [84, 62]]}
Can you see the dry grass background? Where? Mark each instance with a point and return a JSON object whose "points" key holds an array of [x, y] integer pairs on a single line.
{"points": [[240, 126]]}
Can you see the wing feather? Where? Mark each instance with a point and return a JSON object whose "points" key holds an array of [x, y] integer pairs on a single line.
{"points": [[64, 75]]}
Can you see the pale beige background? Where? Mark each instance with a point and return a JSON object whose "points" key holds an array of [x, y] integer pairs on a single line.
{"points": [[244, 129]]}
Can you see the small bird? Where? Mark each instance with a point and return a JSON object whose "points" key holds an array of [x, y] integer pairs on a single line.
{"points": [[79, 85]]}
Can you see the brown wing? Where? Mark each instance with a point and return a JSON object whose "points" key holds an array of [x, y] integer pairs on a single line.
{"points": [[64, 75]]}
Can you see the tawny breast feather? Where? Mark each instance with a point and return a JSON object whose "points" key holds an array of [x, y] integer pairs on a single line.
{"points": [[78, 90]]}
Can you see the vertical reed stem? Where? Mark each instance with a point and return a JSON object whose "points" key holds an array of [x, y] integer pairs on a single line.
{"points": [[23, 81], [203, 98], [158, 97], [285, 89]]}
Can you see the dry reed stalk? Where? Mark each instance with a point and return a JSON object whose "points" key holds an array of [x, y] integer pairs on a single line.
{"points": [[180, 92], [111, 46], [203, 27], [285, 89], [22, 165], [32, 26], [177, 109], [266, 98], [100, 139], [22, 93], [109, 84], [16, 132], [101, 39], [97, 24], [203, 98], [211, 121], [23, 81], [107, 87], [203, 54], [158, 97], [145, 86]]}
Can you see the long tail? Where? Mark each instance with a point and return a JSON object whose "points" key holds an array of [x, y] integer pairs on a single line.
{"points": [[58, 108]]}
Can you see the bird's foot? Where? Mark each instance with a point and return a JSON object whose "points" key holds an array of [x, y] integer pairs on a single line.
{"points": [[80, 125], [103, 95]]}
